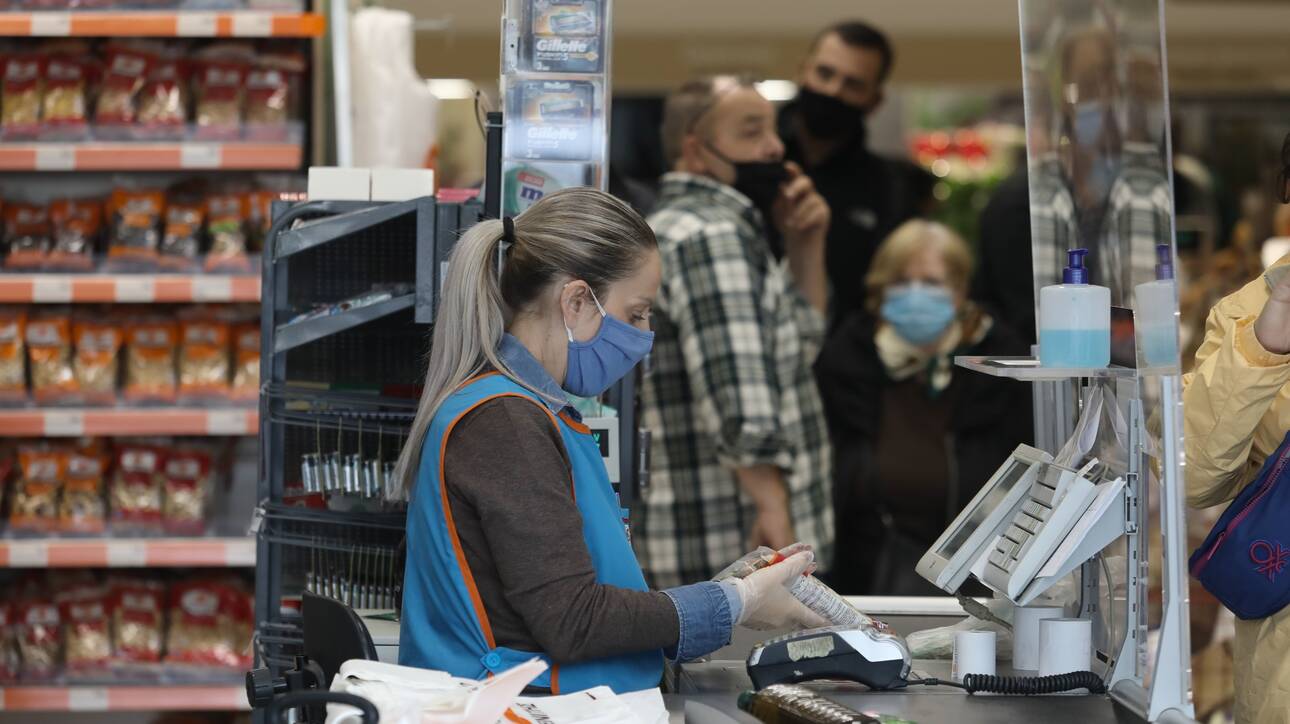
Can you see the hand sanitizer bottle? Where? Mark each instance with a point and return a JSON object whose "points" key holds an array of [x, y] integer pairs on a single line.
{"points": [[1156, 313], [1075, 319]]}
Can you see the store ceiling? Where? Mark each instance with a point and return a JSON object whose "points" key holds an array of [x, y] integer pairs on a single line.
{"points": [[929, 17]]}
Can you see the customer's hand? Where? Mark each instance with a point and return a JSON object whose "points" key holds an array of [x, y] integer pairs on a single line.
{"points": [[1272, 328], [772, 528], [801, 213], [766, 601]]}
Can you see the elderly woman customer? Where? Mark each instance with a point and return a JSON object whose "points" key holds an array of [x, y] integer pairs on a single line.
{"points": [[913, 437]]}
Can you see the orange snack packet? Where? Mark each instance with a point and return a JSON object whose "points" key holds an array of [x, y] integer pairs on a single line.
{"points": [[13, 355], [76, 225], [49, 349], [98, 347], [35, 495], [204, 358], [150, 362]]}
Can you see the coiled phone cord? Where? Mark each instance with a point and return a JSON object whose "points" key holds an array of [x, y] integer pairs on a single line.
{"points": [[1023, 685]]}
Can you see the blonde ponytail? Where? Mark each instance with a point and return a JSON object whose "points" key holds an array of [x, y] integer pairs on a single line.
{"points": [[577, 233]]}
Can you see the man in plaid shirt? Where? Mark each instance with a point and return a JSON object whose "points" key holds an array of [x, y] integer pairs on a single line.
{"points": [[740, 453]]}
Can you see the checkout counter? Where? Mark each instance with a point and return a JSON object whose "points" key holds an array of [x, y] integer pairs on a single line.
{"points": [[705, 692]]}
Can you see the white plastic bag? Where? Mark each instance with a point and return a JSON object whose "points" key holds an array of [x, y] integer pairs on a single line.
{"points": [[394, 111], [408, 695]]}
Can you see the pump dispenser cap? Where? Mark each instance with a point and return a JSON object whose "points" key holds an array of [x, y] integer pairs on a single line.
{"points": [[1164, 262], [1075, 271]]}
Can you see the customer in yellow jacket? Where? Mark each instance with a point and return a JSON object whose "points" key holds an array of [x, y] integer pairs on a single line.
{"points": [[1237, 411]]}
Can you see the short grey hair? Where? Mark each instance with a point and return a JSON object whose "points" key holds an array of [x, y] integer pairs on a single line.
{"points": [[687, 105]]}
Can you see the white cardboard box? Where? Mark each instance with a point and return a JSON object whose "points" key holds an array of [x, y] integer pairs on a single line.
{"points": [[328, 183], [401, 184]]}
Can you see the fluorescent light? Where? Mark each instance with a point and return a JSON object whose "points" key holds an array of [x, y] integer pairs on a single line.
{"points": [[449, 89], [777, 90]]}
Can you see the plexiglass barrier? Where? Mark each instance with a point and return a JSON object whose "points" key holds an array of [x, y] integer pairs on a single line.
{"points": [[1099, 163]]}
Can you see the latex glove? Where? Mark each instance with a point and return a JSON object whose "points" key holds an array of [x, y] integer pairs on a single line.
{"points": [[767, 602]]}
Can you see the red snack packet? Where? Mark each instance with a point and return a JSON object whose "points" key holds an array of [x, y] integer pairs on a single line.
{"points": [[163, 99], [9, 661], [84, 612], [210, 625], [22, 96], [40, 638], [64, 110], [137, 621], [124, 77], [187, 488], [136, 494], [220, 90]]}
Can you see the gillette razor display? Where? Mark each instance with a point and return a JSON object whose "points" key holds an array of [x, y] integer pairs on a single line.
{"points": [[556, 90]]}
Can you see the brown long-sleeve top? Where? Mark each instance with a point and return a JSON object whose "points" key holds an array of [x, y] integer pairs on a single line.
{"points": [[508, 480]]}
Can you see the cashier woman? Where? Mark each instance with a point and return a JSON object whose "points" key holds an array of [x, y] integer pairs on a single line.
{"points": [[516, 543]]}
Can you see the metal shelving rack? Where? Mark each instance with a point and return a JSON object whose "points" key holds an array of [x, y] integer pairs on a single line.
{"points": [[351, 379]]}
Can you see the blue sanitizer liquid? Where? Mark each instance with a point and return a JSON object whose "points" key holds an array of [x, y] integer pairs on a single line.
{"points": [[1075, 347], [1160, 346]]}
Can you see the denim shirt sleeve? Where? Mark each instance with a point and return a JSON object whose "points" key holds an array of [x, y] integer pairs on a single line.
{"points": [[707, 613]]}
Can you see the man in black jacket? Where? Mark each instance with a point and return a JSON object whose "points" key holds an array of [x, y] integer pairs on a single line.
{"points": [[839, 86]]}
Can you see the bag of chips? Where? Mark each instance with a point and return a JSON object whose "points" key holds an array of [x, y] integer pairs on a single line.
{"points": [[87, 630], [204, 359], [136, 493], [210, 625], [272, 87], [76, 225], [136, 221], [26, 236], [64, 111], [98, 346], [34, 507], [187, 490], [9, 662], [21, 96], [137, 612], [226, 216], [49, 351], [181, 243], [246, 361], [124, 76], [219, 86], [150, 362], [82, 508], [40, 639], [163, 99], [13, 355]]}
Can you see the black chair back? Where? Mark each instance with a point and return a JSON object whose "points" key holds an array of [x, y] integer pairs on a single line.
{"points": [[334, 634]]}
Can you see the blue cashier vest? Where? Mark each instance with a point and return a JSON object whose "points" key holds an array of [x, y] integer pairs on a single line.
{"points": [[444, 623]]}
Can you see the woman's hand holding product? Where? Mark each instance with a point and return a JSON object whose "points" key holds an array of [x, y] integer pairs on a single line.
{"points": [[767, 602]]}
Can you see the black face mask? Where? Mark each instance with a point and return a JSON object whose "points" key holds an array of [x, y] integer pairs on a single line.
{"points": [[828, 118], [758, 180]]}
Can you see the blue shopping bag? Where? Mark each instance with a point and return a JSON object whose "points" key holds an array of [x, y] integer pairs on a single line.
{"points": [[1244, 560]]}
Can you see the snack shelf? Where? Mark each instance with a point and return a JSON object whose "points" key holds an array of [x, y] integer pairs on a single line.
{"points": [[123, 698], [232, 552], [128, 288], [112, 422], [148, 156], [172, 24]]}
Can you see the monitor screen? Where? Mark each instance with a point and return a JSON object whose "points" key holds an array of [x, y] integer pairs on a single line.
{"points": [[1015, 473]]}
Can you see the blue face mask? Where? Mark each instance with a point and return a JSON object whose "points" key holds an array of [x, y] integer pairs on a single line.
{"points": [[604, 359], [918, 312], [1090, 121]]}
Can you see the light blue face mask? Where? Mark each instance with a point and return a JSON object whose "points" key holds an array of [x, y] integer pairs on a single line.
{"points": [[919, 313], [604, 359]]}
